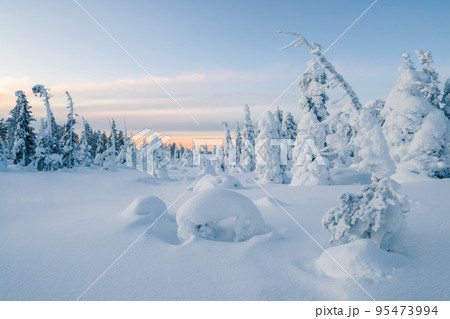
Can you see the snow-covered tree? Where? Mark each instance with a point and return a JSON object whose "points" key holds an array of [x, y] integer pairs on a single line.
{"points": [[100, 149], [187, 158], [220, 158], [69, 141], [11, 124], [228, 145], [109, 156], [311, 168], [446, 99], [24, 138], [85, 149], [349, 129], [429, 78], [376, 214], [3, 130], [48, 150], [247, 159], [3, 160], [279, 117], [238, 143], [268, 163], [418, 133], [375, 107], [113, 136], [289, 126]]}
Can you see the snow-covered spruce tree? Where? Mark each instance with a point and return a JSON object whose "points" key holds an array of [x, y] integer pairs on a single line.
{"points": [[446, 99], [228, 144], [69, 141], [289, 126], [349, 130], [3, 130], [85, 159], [238, 143], [279, 117], [123, 144], [24, 138], [100, 149], [311, 168], [375, 107], [11, 124], [113, 136], [429, 82], [418, 133], [3, 160], [109, 156], [220, 158], [48, 150], [187, 158], [248, 159], [268, 164], [377, 214]]}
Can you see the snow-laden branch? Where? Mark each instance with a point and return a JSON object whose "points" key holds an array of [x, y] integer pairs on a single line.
{"points": [[315, 50]]}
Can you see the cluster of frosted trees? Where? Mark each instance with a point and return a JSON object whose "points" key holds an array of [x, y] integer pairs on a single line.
{"points": [[410, 131], [55, 146]]}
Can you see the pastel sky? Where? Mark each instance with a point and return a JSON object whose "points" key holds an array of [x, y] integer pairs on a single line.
{"points": [[211, 56]]}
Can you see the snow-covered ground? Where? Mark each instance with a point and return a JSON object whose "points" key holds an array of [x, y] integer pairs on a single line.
{"points": [[60, 230]]}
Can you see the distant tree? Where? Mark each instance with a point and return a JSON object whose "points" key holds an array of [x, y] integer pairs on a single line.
{"points": [[3, 160], [69, 141], [11, 125], [247, 160], [109, 156], [24, 138], [268, 167], [279, 117], [100, 149], [3, 131], [86, 159], [238, 143], [289, 126], [48, 151]]}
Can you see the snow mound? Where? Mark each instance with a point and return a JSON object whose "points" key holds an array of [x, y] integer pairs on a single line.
{"points": [[218, 214], [145, 209], [209, 181], [360, 259]]}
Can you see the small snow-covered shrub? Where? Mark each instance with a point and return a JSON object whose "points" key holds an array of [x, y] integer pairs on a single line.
{"points": [[145, 209], [377, 214], [218, 214], [223, 181]]}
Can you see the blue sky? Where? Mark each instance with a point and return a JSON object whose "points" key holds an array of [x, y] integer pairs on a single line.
{"points": [[212, 56]]}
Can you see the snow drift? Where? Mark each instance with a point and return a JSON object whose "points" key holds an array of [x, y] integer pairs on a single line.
{"points": [[210, 181], [360, 259], [145, 209], [218, 214]]}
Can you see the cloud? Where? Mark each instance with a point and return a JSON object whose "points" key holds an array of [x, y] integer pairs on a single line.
{"points": [[210, 97]]}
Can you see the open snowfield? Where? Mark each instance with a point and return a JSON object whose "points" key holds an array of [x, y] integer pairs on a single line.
{"points": [[59, 231]]}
